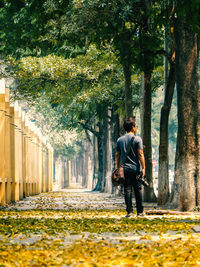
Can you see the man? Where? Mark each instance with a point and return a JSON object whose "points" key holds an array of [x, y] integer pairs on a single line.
{"points": [[134, 164]]}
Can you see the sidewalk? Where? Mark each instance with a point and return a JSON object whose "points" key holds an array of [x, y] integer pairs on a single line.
{"points": [[81, 228]]}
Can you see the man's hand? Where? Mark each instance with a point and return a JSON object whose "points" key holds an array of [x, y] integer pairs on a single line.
{"points": [[143, 172]]}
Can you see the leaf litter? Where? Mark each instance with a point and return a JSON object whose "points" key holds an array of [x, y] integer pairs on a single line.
{"points": [[89, 229]]}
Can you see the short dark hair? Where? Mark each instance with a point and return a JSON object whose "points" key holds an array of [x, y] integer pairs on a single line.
{"points": [[129, 123]]}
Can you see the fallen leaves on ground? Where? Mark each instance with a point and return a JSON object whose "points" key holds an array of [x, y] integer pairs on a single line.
{"points": [[14, 224], [102, 253], [74, 236]]}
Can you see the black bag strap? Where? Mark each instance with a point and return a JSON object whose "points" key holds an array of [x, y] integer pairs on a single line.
{"points": [[128, 150]]}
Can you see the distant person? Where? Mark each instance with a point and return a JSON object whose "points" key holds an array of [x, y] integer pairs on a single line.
{"points": [[134, 164]]}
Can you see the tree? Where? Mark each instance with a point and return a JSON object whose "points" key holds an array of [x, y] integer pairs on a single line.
{"points": [[130, 27], [186, 193], [163, 181], [83, 90]]}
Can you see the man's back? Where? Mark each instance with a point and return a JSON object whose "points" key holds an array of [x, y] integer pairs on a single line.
{"points": [[132, 163]]}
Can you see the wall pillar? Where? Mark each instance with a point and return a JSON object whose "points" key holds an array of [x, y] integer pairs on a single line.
{"points": [[2, 142], [7, 148], [23, 154], [50, 168]]}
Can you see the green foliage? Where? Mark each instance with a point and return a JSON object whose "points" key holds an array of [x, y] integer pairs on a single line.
{"points": [[21, 28], [118, 23], [67, 27], [69, 93], [78, 88], [61, 78], [190, 11]]}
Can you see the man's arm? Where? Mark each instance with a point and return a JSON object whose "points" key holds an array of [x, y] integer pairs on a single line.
{"points": [[142, 160], [118, 159]]}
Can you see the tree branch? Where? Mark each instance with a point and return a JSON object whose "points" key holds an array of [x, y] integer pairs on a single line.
{"points": [[86, 127], [136, 105], [88, 136], [157, 52]]}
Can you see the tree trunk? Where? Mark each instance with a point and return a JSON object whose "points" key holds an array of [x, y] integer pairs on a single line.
{"points": [[115, 128], [149, 195], [107, 156], [142, 103], [128, 90], [163, 174], [95, 160], [114, 131], [187, 172], [90, 164], [85, 162], [108, 187], [145, 39], [100, 158]]}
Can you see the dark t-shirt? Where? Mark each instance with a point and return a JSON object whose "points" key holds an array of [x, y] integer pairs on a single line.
{"points": [[132, 163]]}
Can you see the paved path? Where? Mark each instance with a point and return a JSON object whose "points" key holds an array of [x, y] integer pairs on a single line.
{"points": [[67, 199], [82, 228]]}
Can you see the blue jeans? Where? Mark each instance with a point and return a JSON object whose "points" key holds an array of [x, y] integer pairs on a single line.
{"points": [[130, 184]]}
